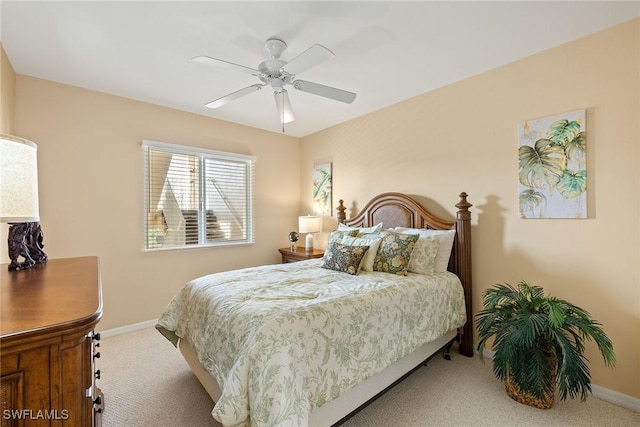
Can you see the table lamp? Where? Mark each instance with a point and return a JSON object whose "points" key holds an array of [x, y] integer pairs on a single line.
{"points": [[309, 224], [19, 201]]}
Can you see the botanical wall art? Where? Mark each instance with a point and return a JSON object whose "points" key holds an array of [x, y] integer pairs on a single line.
{"points": [[552, 170], [322, 189]]}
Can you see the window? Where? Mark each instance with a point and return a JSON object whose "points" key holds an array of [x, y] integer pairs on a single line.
{"points": [[196, 197]]}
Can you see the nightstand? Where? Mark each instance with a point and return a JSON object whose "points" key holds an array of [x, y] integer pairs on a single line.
{"points": [[299, 254]]}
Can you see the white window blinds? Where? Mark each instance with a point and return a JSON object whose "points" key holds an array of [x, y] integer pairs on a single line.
{"points": [[196, 197]]}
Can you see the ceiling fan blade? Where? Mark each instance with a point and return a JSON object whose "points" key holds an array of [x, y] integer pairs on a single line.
{"points": [[311, 57], [221, 62], [235, 95], [285, 112], [326, 91]]}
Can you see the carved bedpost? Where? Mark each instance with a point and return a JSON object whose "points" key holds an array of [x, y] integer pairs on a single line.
{"points": [[463, 236], [342, 217]]}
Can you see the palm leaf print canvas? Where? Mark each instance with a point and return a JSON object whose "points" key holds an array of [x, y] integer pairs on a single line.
{"points": [[552, 168], [322, 189]]}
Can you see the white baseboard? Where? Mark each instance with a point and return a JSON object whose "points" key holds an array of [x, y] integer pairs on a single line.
{"points": [[598, 392], [616, 398], [128, 328]]}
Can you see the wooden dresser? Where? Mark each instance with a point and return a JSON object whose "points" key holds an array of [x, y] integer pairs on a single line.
{"points": [[48, 344]]}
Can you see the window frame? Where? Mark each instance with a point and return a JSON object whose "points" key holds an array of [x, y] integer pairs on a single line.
{"points": [[202, 154]]}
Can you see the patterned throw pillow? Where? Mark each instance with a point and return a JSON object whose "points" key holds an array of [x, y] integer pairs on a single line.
{"points": [[344, 258], [337, 235], [445, 241], [423, 257], [374, 244], [394, 252]]}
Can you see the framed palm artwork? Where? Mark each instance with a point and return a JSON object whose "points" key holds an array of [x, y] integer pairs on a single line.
{"points": [[322, 189], [552, 169]]}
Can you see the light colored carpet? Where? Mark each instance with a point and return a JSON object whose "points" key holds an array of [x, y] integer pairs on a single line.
{"points": [[147, 383]]}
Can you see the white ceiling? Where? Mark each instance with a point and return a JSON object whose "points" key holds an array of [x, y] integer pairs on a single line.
{"points": [[385, 51]]}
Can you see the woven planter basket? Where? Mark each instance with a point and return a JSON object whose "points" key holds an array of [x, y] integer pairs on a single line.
{"points": [[518, 395], [528, 399]]}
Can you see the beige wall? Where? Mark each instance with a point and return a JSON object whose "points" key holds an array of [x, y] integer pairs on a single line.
{"points": [[91, 190], [464, 138], [7, 93]]}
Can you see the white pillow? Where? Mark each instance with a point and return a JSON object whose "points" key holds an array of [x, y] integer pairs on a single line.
{"points": [[362, 230], [370, 255], [445, 240]]}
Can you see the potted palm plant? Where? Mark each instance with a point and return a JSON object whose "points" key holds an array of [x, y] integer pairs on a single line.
{"points": [[539, 343]]}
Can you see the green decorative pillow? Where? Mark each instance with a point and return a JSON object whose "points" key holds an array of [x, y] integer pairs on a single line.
{"points": [[394, 252], [344, 258], [367, 261]]}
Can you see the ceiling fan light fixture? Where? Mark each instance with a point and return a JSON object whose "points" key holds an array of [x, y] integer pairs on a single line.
{"points": [[285, 112]]}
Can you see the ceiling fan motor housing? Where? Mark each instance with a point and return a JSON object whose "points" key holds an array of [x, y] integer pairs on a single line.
{"points": [[275, 47], [272, 73]]}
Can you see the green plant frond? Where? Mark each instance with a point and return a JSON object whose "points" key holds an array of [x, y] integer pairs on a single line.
{"points": [[530, 289], [574, 336], [527, 328], [582, 328], [482, 342], [575, 311], [581, 323], [573, 374], [486, 323], [505, 359], [539, 380], [529, 369], [500, 293], [605, 346], [556, 312], [536, 304], [590, 330]]}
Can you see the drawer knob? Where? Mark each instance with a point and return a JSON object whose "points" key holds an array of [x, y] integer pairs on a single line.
{"points": [[98, 400], [97, 355], [97, 374], [96, 336]]}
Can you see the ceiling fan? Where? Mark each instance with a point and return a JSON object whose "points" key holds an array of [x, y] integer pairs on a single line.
{"points": [[277, 73]]}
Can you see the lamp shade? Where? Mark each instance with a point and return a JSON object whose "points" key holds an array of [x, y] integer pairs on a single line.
{"points": [[309, 224], [18, 180]]}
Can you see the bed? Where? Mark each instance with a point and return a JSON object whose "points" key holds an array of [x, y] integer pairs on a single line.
{"points": [[302, 344]]}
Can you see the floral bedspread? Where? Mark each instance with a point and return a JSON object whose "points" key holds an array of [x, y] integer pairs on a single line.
{"points": [[284, 339]]}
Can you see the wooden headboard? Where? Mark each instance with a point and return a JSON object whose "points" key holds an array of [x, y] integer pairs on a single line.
{"points": [[400, 210]]}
